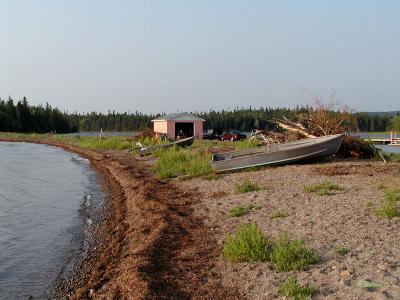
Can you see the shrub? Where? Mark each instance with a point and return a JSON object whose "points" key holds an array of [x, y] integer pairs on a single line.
{"points": [[248, 245], [293, 290], [368, 285], [288, 255], [278, 214], [246, 186], [389, 207], [324, 188], [239, 211]]}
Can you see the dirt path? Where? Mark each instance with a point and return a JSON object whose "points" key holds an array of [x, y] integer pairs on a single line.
{"points": [[154, 245]]}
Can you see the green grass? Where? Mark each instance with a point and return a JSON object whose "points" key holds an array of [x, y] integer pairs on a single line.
{"points": [[341, 250], [288, 255], [239, 211], [87, 142], [368, 285], [246, 144], [174, 161], [278, 214], [394, 157], [246, 187], [324, 188], [248, 245], [291, 289], [390, 205]]}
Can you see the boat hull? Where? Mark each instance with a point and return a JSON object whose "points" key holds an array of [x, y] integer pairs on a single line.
{"points": [[181, 143], [312, 148]]}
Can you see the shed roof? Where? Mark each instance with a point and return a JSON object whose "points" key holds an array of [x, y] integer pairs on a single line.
{"points": [[183, 116]]}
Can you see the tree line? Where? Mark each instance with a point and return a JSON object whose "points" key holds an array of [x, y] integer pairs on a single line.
{"points": [[22, 117]]}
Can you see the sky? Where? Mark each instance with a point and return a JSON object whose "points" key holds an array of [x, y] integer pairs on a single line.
{"points": [[170, 55]]}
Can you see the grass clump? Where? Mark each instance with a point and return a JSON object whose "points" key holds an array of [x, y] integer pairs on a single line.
{"points": [[246, 144], [175, 161], [278, 214], [324, 188], [389, 207], [341, 250], [291, 289], [288, 255], [368, 285], [239, 211], [246, 187], [248, 245]]}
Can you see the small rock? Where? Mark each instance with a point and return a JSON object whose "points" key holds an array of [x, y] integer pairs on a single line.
{"points": [[334, 268], [345, 273]]}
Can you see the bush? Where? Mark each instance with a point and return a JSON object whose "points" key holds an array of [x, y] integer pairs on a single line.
{"points": [[288, 255], [324, 188], [291, 289], [389, 207], [246, 186], [248, 245]]}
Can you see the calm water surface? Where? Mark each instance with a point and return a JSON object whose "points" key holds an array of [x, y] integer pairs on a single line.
{"points": [[47, 196]]}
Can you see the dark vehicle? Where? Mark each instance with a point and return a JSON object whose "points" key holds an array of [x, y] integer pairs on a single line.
{"points": [[213, 134], [233, 135]]}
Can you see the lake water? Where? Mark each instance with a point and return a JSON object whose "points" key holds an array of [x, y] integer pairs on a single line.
{"points": [[47, 201], [381, 135]]}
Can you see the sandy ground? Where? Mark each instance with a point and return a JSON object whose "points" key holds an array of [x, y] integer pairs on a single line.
{"points": [[323, 222]]}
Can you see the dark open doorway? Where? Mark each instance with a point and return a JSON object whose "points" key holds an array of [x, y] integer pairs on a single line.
{"points": [[184, 130]]}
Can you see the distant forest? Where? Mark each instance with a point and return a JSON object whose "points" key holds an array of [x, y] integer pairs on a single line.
{"points": [[22, 117]]}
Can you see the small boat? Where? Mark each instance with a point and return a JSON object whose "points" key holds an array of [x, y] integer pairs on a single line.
{"points": [[310, 148], [148, 150]]}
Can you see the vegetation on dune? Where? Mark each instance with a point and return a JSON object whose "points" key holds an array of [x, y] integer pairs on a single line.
{"points": [[175, 161], [341, 250], [278, 214], [368, 285], [288, 255], [390, 205], [250, 245], [291, 289], [324, 188], [239, 211], [246, 187]]}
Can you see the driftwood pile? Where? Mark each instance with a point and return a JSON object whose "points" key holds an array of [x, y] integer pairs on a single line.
{"points": [[319, 121]]}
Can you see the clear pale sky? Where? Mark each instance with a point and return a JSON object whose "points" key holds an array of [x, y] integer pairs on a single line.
{"points": [[164, 56]]}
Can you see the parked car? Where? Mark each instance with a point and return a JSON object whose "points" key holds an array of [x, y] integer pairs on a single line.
{"points": [[233, 135], [213, 134]]}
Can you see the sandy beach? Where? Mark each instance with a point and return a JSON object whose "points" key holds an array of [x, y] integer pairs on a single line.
{"points": [[163, 239]]}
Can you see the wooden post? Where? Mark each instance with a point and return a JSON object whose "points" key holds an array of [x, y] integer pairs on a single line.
{"points": [[101, 133], [391, 137]]}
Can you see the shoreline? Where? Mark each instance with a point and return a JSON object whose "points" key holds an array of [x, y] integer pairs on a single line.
{"points": [[153, 243]]}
